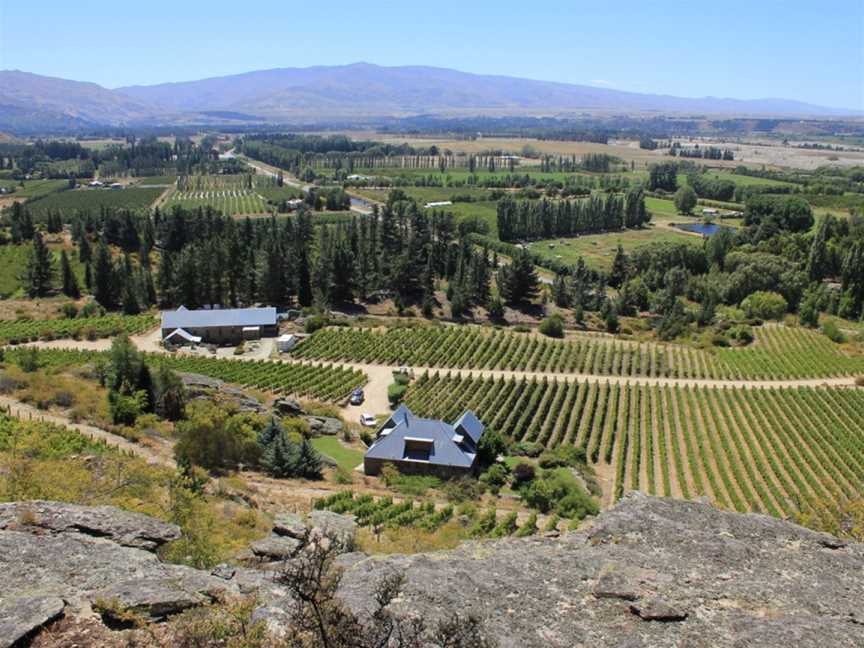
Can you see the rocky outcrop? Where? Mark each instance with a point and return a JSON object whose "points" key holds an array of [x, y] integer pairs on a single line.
{"points": [[122, 527], [649, 572], [199, 387], [89, 556]]}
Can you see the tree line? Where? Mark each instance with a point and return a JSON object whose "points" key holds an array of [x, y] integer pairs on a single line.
{"points": [[531, 219]]}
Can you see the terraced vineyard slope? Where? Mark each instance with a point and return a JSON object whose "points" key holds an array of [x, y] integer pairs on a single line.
{"points": [[779, 352], [780, 451]]}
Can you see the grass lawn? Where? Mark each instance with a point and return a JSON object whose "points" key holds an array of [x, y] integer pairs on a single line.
{"points": [[598, 250], [34, 188], [13, 259], [347, 458]]}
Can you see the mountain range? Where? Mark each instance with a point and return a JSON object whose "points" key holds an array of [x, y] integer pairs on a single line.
{"points": [[356, 91]]}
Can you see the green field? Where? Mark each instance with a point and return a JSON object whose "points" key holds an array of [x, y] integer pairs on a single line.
{"points": [[13, 259], [93, 200], [599, 250], [156, 180], [34, 188]]}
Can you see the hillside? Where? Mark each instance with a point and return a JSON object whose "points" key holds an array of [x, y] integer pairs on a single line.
{"points": [[363, 88], [30, 103]]}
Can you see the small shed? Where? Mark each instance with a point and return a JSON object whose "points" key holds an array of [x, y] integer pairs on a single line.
{"points": [[286, 342], [180, 336], [251, 332]]}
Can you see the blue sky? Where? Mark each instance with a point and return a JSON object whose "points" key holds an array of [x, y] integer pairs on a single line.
{"points": [[807, 50]]}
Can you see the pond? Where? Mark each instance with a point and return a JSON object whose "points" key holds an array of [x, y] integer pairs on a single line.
{"points": [[705, 229]]}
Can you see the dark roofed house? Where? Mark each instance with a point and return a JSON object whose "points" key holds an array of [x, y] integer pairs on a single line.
{"points": [[218, 326], [416, 445]]}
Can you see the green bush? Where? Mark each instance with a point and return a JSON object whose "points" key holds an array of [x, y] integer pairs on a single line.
{"points": [[833, 332], [528, 449], [395, 393], [495, 477], [765, 305], [552, 326], [315, 323]]}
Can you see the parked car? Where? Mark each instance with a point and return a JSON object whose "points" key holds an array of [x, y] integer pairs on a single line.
{"points": [[357, 397], [367, 420]]}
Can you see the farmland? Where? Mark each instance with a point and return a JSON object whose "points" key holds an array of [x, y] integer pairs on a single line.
{"points": [[93, 200], [778, 353], [231, 195], [322, 382], [778, 451], [18, 331], [33, 189]]}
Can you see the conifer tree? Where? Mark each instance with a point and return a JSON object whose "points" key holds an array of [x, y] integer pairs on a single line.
{"points": [[39, 270], [68, 278]]}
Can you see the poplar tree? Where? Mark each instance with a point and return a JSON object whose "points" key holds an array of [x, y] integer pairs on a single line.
{"points": [[68, 278], [39, 270]]}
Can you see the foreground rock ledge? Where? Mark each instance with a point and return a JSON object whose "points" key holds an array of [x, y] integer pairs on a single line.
{"points": [[649, 572]]}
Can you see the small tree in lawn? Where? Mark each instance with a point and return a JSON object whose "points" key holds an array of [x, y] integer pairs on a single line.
{"points": [[685, 200]]}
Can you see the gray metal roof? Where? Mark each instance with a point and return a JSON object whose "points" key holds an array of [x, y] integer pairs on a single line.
{"points": [[184, 318], [446, 451]]}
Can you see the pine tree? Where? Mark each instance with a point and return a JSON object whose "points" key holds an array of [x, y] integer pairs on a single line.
{"points": [[39, 270], [69, 280], [105, 286], [308, 461], [269, 432], [518, 281], [618, 275], [281, 458]]}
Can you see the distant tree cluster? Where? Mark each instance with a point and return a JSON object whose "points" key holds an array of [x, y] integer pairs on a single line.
{"points": [[526, 220]]}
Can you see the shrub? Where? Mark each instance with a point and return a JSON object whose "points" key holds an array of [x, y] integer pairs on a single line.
{"points": [[833, 332], [528, 449], [507, 526], [764, 305], [69, 310], [552, 326], [463, 490], [492, 444], [859, 381], [522, 474], [495, 477], [742, 334], [315, 323], [395, 393], [529, 527]]}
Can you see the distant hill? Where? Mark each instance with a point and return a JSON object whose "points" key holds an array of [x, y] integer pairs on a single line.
{"points": [[29, 101], [362, 88]]}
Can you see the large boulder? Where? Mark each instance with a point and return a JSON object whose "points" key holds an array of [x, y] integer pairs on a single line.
{"points": [[324, 425], [649, 572], [289, 524], [288, 407], [275, 547], [90, 556], [21, 617], [124, 528], [341, 528]]}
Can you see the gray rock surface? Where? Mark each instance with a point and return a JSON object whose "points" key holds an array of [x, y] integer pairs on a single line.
{"points": [[204, 387], [82, 555], [21, 617], [340, 527], [649, 572], [275, 547], [288, 406], [324, 425], [289, 524], [124, 528]]}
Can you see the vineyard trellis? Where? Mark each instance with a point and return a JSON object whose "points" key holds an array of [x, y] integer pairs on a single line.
{"points": [[779, 451], [20, 331], [319, 381], [779, 353]]}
